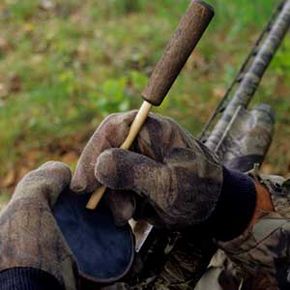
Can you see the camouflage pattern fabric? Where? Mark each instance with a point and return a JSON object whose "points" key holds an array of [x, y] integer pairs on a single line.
{"points": [[187, 260], [247, 138], [185, 263], [223, 274], [257, 260], [253, 73], [29, 234], [263, 250], [245, 143], [171, 162], [176, 179]]}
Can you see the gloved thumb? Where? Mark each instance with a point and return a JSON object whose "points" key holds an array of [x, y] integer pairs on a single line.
{"points": [[44, 183]]}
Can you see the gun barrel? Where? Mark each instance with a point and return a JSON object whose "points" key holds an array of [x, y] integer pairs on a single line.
{"points": [[253, 76]]}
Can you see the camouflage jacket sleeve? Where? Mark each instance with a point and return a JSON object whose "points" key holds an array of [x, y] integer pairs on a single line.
{"points": [[264, 248], [186, 262]]}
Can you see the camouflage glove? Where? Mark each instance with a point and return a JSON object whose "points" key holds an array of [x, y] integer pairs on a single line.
{"points": [[29, 235], [177, 179]]}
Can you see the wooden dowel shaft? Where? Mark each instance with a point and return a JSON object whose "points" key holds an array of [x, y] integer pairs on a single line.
{"points": [[133, 132]]}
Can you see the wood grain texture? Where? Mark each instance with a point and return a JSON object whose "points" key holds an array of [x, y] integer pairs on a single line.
{"points": [[191, 28]]}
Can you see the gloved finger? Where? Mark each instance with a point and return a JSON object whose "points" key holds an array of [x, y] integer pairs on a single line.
{"points": [[46, 182], [122, 205], [125, 170], [110, 134], [182, 189]]}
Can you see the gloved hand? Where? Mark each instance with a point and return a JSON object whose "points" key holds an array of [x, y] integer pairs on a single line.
{"points": [[176, 178], [29, 235]]}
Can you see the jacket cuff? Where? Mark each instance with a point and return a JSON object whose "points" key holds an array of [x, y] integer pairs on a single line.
{"points": [[235, 207], [22, 278]]}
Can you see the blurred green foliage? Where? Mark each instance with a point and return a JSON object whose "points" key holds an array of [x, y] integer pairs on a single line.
{"points": [[66, 64]]}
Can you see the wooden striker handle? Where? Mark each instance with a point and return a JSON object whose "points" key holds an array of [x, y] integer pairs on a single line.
{"points": [[191, 27]]}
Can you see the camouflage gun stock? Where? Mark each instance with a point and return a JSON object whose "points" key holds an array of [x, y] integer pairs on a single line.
{"points": [[241, 138]]}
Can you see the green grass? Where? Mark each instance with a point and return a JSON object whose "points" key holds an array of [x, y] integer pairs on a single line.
{"points": [[63, 69]]}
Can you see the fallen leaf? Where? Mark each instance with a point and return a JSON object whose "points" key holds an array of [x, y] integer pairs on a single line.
{"points": [[3, 90], [69, 157], [15, 84], [28, 27], [23, 171], [47, 5], [9, 179], [4, 45], [219, 92]]}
